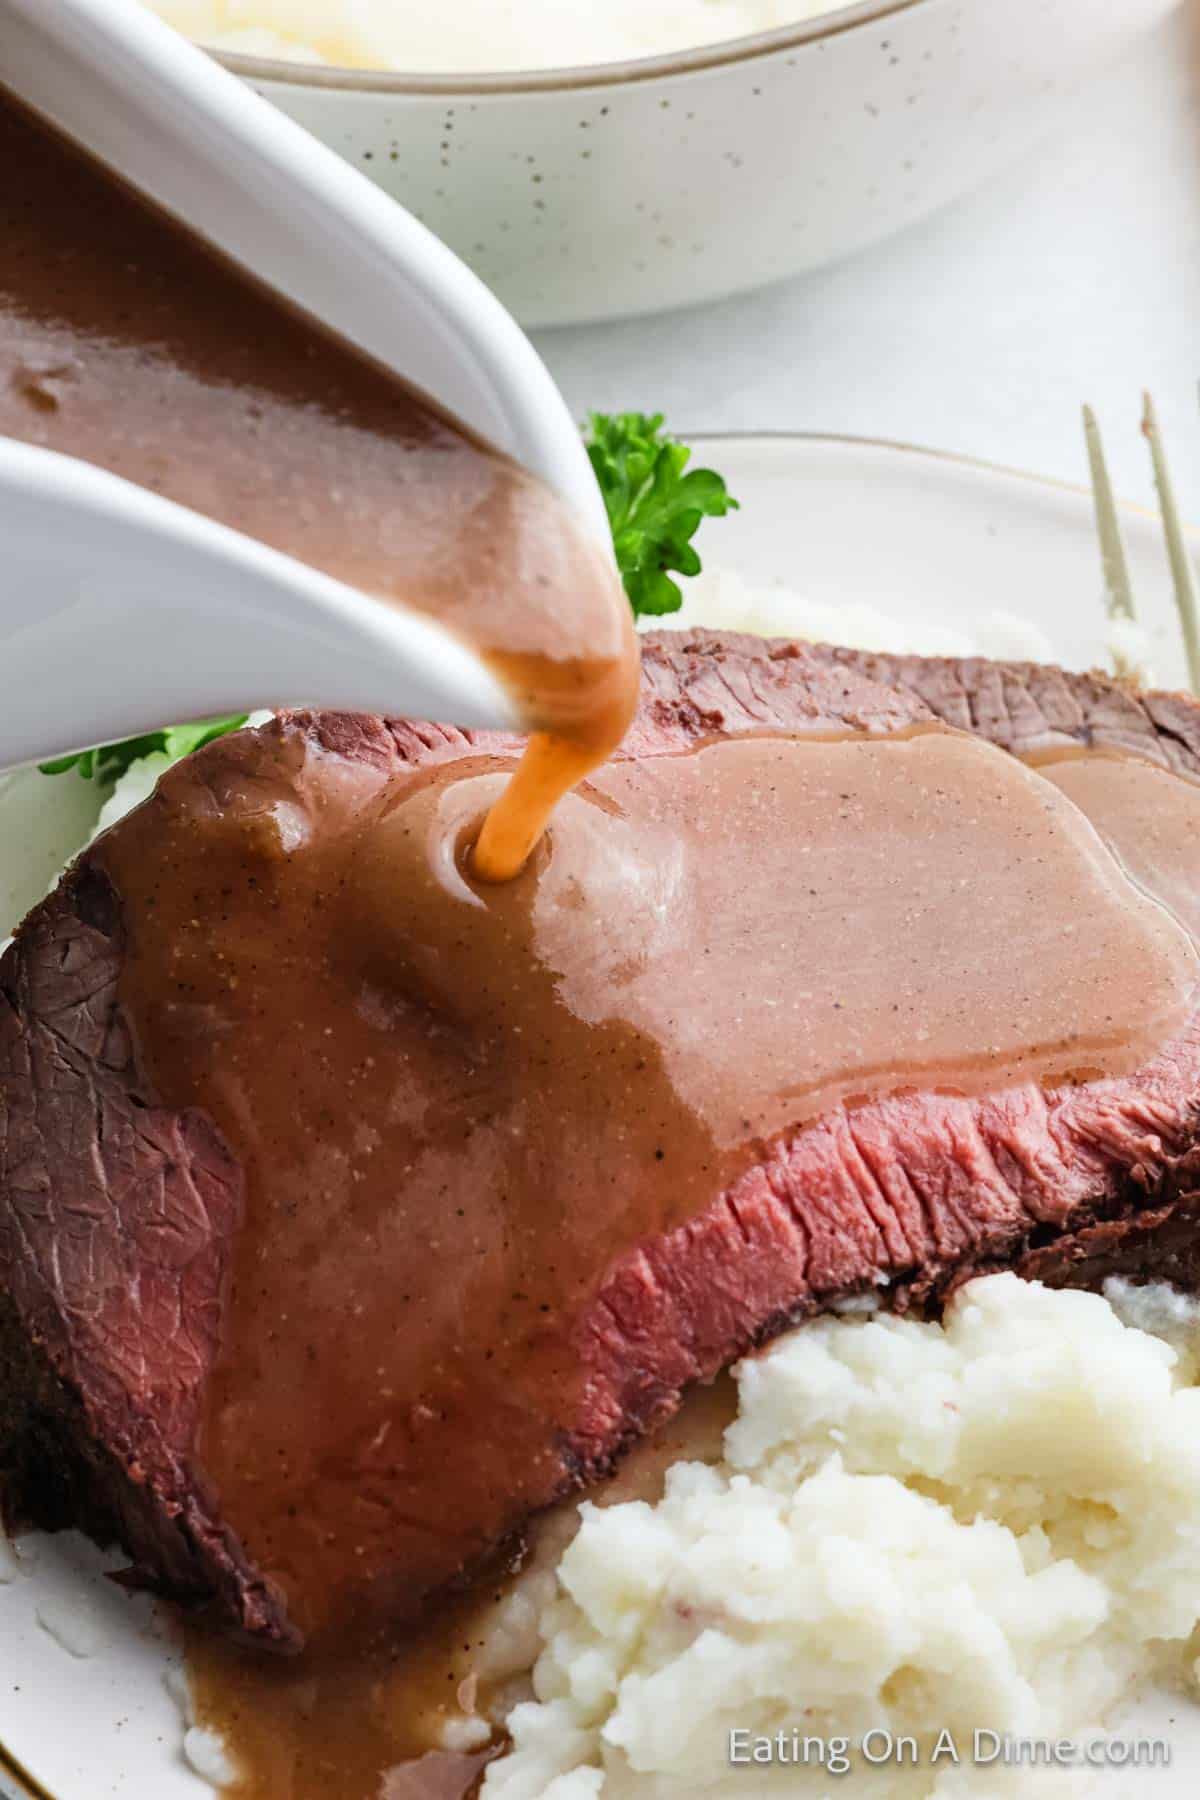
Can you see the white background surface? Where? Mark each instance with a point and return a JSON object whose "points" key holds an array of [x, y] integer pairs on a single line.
{"points": [[1074, 276]]}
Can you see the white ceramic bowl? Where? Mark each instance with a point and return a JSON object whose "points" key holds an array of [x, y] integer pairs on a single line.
{"points": [[588, 194]]}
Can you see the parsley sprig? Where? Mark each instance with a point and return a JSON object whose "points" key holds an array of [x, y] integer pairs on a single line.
{"points": [[655, 504], [110, 761]]}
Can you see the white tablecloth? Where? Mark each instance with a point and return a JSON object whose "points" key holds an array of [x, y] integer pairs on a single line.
{"points": [[1075, 276]]}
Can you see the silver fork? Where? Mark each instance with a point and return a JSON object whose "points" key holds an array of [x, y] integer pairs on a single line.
{"points": [[1117, 584]]}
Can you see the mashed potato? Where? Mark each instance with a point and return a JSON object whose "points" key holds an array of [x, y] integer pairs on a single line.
{"points": [[988, 1524], [721, 599], [474, 35]]}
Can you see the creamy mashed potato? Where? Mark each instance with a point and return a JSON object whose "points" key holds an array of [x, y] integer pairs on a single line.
{"points": [[474, 35], [990, 1523], [721, 599]]}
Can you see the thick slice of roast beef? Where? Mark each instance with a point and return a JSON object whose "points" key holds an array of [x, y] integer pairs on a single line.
{"points": [[1032, 707], [117, 1215]]}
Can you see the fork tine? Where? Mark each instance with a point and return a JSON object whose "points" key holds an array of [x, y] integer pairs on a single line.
{"points": [[1182, 573], [1117, 586]]}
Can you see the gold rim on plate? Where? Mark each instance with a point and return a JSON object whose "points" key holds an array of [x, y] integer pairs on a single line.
{"points": [[27, 1784]]}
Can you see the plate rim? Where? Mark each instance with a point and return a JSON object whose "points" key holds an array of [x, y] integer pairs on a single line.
{"points": [[963, 459], [28, 1786]]}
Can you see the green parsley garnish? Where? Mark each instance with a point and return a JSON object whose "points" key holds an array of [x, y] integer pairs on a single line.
{"points": [[655, 504], [110, 761]]}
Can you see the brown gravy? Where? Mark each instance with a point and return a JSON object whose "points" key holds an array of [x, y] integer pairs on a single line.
{"points": [[328, 1725], [491, 1083], [127, 342], [1149, 816]]}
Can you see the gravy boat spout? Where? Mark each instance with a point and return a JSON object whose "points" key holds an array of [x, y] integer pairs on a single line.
{"points": [[120, 611], [194, 139]]}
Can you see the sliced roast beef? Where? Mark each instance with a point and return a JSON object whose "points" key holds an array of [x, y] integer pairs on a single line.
{"points": [[120, 1214], [1032, 707]]}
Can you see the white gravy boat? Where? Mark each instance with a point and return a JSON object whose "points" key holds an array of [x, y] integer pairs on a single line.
{"points": [[120, 611]]}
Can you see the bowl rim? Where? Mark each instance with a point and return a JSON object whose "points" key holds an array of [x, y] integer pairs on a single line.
{"points": [[838, 20]]}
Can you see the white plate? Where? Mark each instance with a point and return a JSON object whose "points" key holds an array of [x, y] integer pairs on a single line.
{"points": [[920, 535]]}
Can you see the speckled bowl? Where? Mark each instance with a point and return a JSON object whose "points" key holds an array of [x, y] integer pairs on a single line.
{"points": [[585, 194]]}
